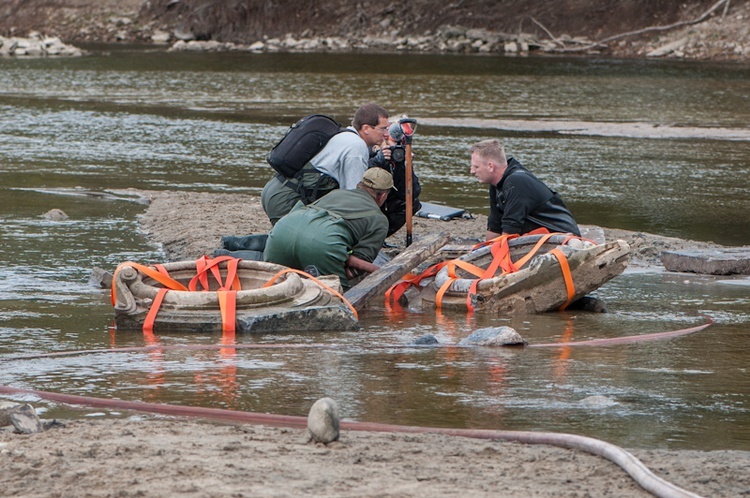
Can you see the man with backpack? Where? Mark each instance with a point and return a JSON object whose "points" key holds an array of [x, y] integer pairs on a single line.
{"points": [[339, 234], [341, 163]]}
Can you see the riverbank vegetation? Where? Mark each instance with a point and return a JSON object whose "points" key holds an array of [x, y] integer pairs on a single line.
{"points": [[693, 29]]}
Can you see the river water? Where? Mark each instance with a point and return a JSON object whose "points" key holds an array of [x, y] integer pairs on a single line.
{"points": [[656, 146]]}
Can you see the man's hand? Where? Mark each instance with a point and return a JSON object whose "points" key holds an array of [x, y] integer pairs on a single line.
{"points": [[356, 263], [492, 235], [385, 148], [351, 273]]}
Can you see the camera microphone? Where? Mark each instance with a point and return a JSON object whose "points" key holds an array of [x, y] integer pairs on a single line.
{"points": [[395, 132]]}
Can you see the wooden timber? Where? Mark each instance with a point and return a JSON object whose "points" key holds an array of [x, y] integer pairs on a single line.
{"points": [[379, 281]]}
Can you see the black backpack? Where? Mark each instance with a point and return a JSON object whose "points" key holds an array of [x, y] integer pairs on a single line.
{"points": [[302, 142]]}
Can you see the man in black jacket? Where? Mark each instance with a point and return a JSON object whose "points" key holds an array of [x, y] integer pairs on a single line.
{"points": [[519, 201]]}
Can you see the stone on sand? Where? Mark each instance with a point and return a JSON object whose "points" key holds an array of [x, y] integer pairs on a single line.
{"points": [[323, 421]]}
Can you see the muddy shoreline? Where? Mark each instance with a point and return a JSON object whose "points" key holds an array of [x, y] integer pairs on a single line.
{"points": [[187, 225]]}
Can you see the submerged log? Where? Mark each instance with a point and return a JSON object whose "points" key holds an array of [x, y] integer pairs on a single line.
{"points": [[379, 281]]}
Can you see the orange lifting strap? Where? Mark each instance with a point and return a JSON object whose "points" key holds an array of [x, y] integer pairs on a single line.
{"points": [[394, 293], [565, 269], [501, 260], [329, 289], [227, 292]]}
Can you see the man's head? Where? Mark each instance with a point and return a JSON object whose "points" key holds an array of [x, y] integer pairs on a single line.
{"points": [[488, 162], [371, 121], [378, 182]]}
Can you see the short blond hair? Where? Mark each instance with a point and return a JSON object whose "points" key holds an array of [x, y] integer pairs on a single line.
{"points": [[490, 149]]}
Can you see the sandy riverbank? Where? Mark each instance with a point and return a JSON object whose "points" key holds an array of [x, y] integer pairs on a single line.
{"points": [[171, 457], [190, 224]]}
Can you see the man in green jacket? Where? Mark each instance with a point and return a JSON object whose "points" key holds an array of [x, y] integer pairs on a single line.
{"points": [[338, 234]]}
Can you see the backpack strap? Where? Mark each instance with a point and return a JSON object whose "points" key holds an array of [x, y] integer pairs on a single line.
{"points": [[323, 185]]}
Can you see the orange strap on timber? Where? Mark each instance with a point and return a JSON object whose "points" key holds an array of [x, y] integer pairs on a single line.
{"points": [[537, 231], [501, 259], [500, 251], [519, 264], [565, 269], [452, 277], [329, 289], [394, 293]]}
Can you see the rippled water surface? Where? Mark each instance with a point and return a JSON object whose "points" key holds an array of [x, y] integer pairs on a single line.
{"points": [[125, 117]]}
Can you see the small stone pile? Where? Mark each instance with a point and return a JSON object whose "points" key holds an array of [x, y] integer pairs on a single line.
{"points": [[36, 45]]}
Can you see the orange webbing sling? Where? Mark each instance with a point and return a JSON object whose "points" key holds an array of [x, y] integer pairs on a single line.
{"points": [[501, 259], [500, 250], [394, 293], [227, 292], [326, 287], [397, 290], [565, 269], [452, 277]]}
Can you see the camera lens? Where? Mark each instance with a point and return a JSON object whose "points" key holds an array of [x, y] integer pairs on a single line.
{"points": [[398, 154]]}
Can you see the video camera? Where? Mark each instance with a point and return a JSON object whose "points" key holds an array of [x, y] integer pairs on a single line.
{"points": [[401, 133]]}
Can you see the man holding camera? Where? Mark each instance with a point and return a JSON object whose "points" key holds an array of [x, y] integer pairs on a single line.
{"points": [[340, 164], [519, 201], [392, 158]]}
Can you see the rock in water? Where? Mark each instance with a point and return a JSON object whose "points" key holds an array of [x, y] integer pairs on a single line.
{"points": [[426, 340], [494, 336], [55, 215], [323, 421]]}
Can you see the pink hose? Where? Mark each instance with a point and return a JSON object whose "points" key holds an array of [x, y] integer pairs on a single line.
{"points": [[628, 339], [625, 460]]}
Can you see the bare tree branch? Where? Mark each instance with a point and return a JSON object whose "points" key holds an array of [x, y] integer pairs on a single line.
{"points": [[697, 20], [552, 37], [603, 42], [726, 8]]}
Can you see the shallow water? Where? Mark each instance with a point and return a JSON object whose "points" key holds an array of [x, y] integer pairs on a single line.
{"points": [[204, 122]]}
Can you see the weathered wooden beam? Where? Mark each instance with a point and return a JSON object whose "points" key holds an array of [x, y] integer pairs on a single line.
{"points": [[379, 281]]}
